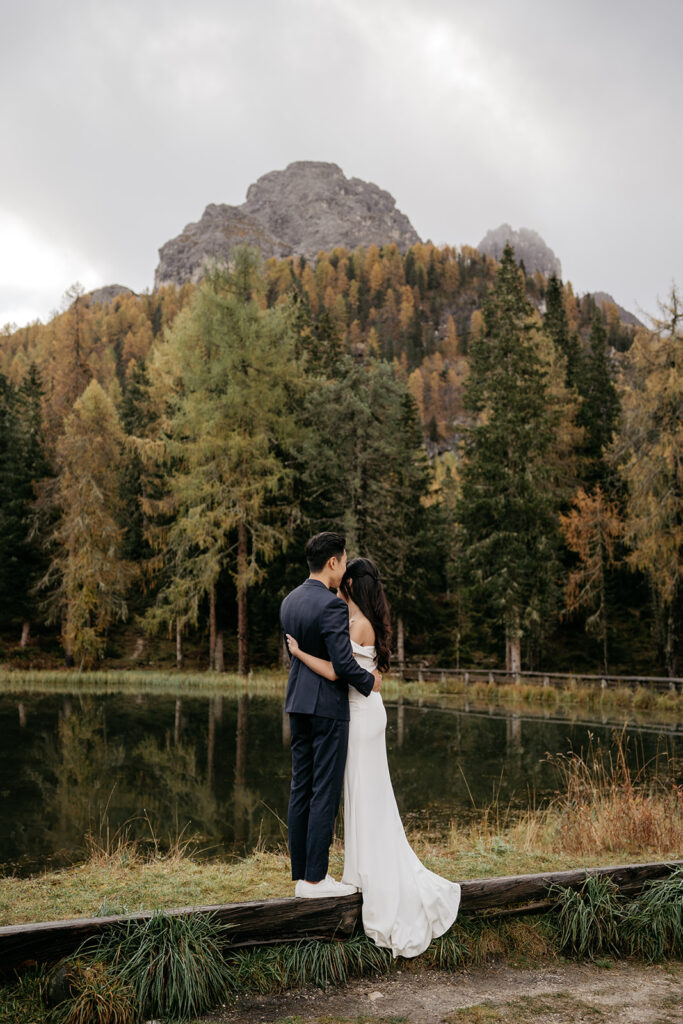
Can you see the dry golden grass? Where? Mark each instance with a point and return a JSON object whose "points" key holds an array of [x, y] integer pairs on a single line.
{"points": [[602, 809]]}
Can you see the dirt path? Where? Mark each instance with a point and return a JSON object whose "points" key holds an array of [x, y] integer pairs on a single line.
{"points": [[556, 994]]}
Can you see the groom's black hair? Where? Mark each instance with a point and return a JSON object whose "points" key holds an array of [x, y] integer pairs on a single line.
{"points": [[322, 547]]}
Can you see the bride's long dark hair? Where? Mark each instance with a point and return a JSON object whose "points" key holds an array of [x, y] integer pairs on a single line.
{"points": [[362, 585]]}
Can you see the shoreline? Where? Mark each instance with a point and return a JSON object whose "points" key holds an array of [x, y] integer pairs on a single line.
{"points": [[273, 682]]}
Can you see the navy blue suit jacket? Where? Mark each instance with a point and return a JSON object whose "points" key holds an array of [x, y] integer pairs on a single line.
{"points": [[319, 622]]}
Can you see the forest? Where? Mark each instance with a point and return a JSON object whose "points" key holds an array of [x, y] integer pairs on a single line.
{"points": [[510, 455]]}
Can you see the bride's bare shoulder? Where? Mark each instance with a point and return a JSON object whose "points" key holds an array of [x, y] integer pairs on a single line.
{"points": [[361, 630]]}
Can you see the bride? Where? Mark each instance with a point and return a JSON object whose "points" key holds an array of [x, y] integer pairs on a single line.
{"points": [[405, 905]]}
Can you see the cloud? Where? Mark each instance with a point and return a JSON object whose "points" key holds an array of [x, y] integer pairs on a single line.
{"points": [[33, 272], [120, 121]]}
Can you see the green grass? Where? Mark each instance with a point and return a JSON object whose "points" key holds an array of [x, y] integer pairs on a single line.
{"points": [[272, 682], [598, 921]]}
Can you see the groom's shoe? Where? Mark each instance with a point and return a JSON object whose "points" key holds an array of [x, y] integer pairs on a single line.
{"points": [[318, 890]]}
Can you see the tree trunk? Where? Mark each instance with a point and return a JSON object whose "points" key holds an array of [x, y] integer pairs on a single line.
{"points": [[513, 660], [178, 645], [242, 640], [25, 633], [68, 652], [400, 644], [673, 630], [212, 626]]}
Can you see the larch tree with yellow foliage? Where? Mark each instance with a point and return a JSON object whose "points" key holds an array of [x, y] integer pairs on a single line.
{"points": [[232, 374], [592, 529], [648, 452], [88, 578]]}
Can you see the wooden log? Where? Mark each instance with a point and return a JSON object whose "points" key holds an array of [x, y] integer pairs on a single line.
{"points": [[287, 920], [261, 922], [489, 894]]}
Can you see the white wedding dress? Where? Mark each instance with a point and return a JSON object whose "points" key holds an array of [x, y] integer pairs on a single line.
{"points": [[405, 905]]}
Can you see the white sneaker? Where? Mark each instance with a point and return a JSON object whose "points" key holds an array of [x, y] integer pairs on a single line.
{"points": [[328, 887]]}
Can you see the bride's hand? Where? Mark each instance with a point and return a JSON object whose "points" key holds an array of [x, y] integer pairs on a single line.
{"points": [[292, 645]]}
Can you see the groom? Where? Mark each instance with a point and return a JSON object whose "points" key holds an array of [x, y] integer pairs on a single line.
{"points": [[319, 713]]}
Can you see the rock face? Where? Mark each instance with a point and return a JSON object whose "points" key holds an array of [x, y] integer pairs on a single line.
{"points": [[308, 207], [604, 299], [528, 246], [107, 294]]}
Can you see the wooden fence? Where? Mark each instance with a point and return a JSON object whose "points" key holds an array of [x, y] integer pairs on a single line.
{"points": [[422, 672]]}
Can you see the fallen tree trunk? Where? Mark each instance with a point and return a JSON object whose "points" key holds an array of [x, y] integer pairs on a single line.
{"points": [[287, 920]]}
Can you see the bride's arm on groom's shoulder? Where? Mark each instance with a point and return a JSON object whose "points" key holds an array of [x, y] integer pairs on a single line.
{"points": [[317, 665]]}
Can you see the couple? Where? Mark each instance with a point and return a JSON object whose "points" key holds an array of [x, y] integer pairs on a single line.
{"points": [[338, 722]]}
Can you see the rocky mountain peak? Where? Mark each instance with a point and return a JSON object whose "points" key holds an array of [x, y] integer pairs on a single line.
{"points": [[307, 207], [528, 245]]}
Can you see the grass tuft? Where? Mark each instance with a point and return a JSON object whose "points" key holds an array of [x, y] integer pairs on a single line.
{"points": [[96, 995], [653, 927], [597, 920], [172, 964], [588, 919]]}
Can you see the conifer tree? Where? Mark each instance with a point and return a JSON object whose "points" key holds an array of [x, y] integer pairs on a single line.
{"points": [[22, 465], [87, 578], [648, 454], [556, 326], [592, 529], [231, 369], [365, 472], [507, 510], [599, 410]]}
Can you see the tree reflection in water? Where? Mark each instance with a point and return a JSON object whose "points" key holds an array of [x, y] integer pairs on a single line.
{"points": [[157, 766]]}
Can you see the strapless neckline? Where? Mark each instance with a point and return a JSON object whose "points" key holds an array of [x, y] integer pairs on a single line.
{"points": [[363, 647]]}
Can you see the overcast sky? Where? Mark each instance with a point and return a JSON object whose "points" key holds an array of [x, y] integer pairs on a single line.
{"points": [[121, 119]]}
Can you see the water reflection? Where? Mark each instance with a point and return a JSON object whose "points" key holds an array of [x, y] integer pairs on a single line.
{"points": [[155, 766]]}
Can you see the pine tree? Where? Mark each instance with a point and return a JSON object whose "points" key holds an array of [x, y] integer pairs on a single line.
{"points": [[507, 510], [22, 465], [600, 407], [556, 326], [372, 488], [139, 419]]}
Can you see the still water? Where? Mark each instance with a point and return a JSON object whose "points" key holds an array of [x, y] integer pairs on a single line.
{"points": [[155, 765]]}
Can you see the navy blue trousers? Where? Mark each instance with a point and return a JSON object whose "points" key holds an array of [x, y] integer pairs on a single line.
{"points": [[318, 761]]}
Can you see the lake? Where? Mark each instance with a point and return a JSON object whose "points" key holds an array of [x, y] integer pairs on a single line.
{"points": [[155, 765]]}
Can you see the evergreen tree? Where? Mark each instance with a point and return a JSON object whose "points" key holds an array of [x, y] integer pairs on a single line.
{"points": [[507, 510], [139, 418], [600, 407], [556, 326], [365, 472], [22, 465]]}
